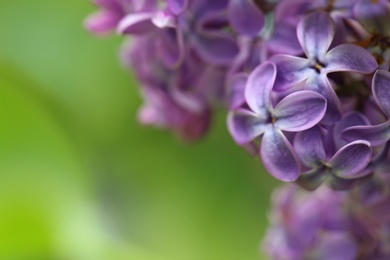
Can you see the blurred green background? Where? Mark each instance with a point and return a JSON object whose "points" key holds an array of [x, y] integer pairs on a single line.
{"points": [[80, 179]]}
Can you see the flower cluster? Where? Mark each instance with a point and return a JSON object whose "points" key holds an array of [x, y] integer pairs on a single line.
{"points": [[325, 224], [306, 84]]}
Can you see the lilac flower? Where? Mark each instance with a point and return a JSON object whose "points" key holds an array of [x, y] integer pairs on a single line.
{"points": [[113, 11], [296, 112], [308, 226], [315, 33], [377, 134], [340, 170], [325, 224]]}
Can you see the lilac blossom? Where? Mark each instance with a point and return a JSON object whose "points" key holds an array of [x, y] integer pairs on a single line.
{"points": [[376, 134], [294, 113], [315, 33], [339, 170], [325, 224]]}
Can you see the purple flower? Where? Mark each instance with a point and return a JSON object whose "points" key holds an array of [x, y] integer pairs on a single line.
{"points": [[296, 112], [315, 33], [339, 170], [309, 226], [325, 224], [377, 134], [113, 11]]}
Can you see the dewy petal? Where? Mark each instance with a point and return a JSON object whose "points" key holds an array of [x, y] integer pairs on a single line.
{"points": [[290, 71], [351, 159], [315, 33], [245, 125], [136, 23], [350, 57], [245, 17], [177, 6], [320, 84], [381, 90], [299, 111], [278, 156], [375, 134], [310, 147], [217, 47], [259, 86]]}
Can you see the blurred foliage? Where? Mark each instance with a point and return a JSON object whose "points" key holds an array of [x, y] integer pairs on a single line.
{"points": [[81, 179]]}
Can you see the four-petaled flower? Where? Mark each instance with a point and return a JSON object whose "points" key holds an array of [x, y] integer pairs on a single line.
{"points": [[296, 112]]}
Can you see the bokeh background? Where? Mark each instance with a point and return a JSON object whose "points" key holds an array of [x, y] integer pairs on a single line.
{"points": [[80, 179]]}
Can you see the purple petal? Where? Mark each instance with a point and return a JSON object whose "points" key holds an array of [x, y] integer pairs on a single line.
{"points": [[315, 33], [102, 22], [337, 246], [258, 88], [320, 84], [310, 147], [245, 126], [299, 111], [236, 86], [350, 57], [376, 135], [279, 157], [217, 47], [284, 32], [351, 159], [136, 23], [290, 71], [177, 6], [349, 120], [170, 47], [245, 17], [313, 179], [381, 90]]}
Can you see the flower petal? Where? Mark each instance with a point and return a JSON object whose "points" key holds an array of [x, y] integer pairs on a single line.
{"points": [[351, 159], [170, 47], [177, 6], [236, 89], [310, 147], [381, 90], [258, 88], [245, 125], [102, 22], [245, 17], [216, 47], [320, 84], [299, 111], [376, 135], [315, 33], [136, 23], [337, 246], [278, 156], [290, 71], [350, 57], [348, 120]]}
